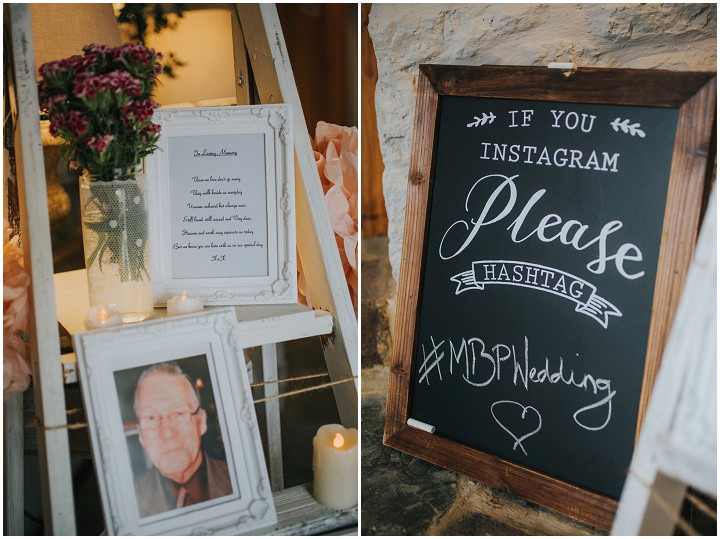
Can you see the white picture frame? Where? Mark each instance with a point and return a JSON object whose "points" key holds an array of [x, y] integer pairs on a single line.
{"points": [[221, 189], [137, 498]]}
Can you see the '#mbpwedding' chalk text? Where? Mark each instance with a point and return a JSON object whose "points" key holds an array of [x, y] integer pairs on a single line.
{"points": [[480, 363]]}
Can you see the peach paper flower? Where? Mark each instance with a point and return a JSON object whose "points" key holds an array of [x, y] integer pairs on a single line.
{"points": [[16, 282], [336, 156]]}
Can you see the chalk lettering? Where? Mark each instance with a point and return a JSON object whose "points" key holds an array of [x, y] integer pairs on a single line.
{"points": [[479, 366], [561, 157], [526, 116], [572, 119], [501, 203]]}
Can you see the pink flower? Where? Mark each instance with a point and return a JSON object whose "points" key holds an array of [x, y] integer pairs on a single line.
{"points": [[138, 111], [101, 101], [152, 129], [94, 48], [55, 123], [99, 142], [58, 68], [88, 85], [15, 287], [49, 69], [16, 370], [133, 53], [77, 123], [53, 100], [73, 124], [122, 81], [336, 150], [150, 134], [83, 63], [16, 282]]}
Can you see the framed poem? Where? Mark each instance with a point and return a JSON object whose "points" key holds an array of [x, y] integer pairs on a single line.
{"points": [[173, 429], [222, 184], [550, 221]]}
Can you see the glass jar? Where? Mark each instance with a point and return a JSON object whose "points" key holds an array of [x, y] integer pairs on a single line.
{"points": [[115, 241]]}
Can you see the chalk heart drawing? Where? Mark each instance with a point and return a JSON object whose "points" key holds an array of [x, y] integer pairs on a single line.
{"points": [[529, 418]]}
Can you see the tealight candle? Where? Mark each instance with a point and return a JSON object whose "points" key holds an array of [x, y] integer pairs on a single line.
{"points": [[101, 316], [183, 305], [335, 466]]}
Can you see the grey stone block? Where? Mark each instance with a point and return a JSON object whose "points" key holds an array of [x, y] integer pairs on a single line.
{"points": [[401, 495]]}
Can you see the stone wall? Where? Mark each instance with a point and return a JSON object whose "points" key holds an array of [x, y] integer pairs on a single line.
{"points": [[649, 36]]}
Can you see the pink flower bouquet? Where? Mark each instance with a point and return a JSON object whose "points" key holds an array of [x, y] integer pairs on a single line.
{"points": [[100, 104]]}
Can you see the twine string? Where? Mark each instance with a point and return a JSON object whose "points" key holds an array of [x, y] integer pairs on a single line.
{"points": [[70, 426], [705, 508], [683, 524], [36, 422], [294, 379], [313, 388]]}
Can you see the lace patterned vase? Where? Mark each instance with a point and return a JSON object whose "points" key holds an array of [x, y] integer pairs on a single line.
{"points": [[115, 240]]}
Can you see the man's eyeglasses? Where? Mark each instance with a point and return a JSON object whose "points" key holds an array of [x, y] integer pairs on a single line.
{"points": [[177, 419]]}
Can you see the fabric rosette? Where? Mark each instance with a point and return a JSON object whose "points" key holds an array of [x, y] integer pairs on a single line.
{"points": [[336, 156], [16, 283]]}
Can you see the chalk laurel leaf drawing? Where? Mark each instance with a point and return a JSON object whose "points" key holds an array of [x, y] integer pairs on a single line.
{"points": [[627, 127], [486, 118]]}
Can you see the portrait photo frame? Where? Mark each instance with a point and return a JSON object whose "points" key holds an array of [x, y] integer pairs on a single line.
{"points": [[221, 183], [206, 347]]}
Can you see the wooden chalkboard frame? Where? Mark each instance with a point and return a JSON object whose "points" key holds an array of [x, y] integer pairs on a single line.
{"points": [[694, 94]]}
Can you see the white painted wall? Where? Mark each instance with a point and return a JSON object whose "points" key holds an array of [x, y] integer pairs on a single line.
{"points": [[679, 37]]}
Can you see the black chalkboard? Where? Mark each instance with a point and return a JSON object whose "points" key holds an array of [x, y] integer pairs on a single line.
{"points": [[550, 220], [544, 232]]}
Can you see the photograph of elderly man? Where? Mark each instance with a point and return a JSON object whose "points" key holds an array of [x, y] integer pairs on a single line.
{"points": [[171, 423]]}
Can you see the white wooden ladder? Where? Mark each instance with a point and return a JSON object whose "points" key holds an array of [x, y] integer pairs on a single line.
{"points": [[677, 446], [257, 27]]}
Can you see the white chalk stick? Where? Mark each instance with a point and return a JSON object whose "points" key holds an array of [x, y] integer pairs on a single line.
{"points": [[420, 425], [561, 65]]}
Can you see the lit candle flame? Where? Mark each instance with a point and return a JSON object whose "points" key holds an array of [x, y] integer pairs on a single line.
{"points": [[199, 383], [339, 441], [184, 295], [102, 314]]}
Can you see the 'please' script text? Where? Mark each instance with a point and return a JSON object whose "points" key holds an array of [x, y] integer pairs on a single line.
{"points": [[549, 228]]}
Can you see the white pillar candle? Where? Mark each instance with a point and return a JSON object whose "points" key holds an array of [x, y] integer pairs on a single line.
{"points": [[183, 305], [335, 466], [100, 316]]}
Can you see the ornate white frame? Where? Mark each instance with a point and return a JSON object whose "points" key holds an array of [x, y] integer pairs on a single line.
{"points": [[216, 334], [275, 123]]}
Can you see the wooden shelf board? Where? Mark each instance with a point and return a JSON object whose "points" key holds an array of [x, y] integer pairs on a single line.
{"points": [[262, 324], [299, 514]]}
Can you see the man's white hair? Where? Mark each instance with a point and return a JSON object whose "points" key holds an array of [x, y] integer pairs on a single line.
{"points": [[169, 367]]}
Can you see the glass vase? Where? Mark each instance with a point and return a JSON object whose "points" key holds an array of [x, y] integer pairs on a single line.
{"points": [[115, 241]]}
